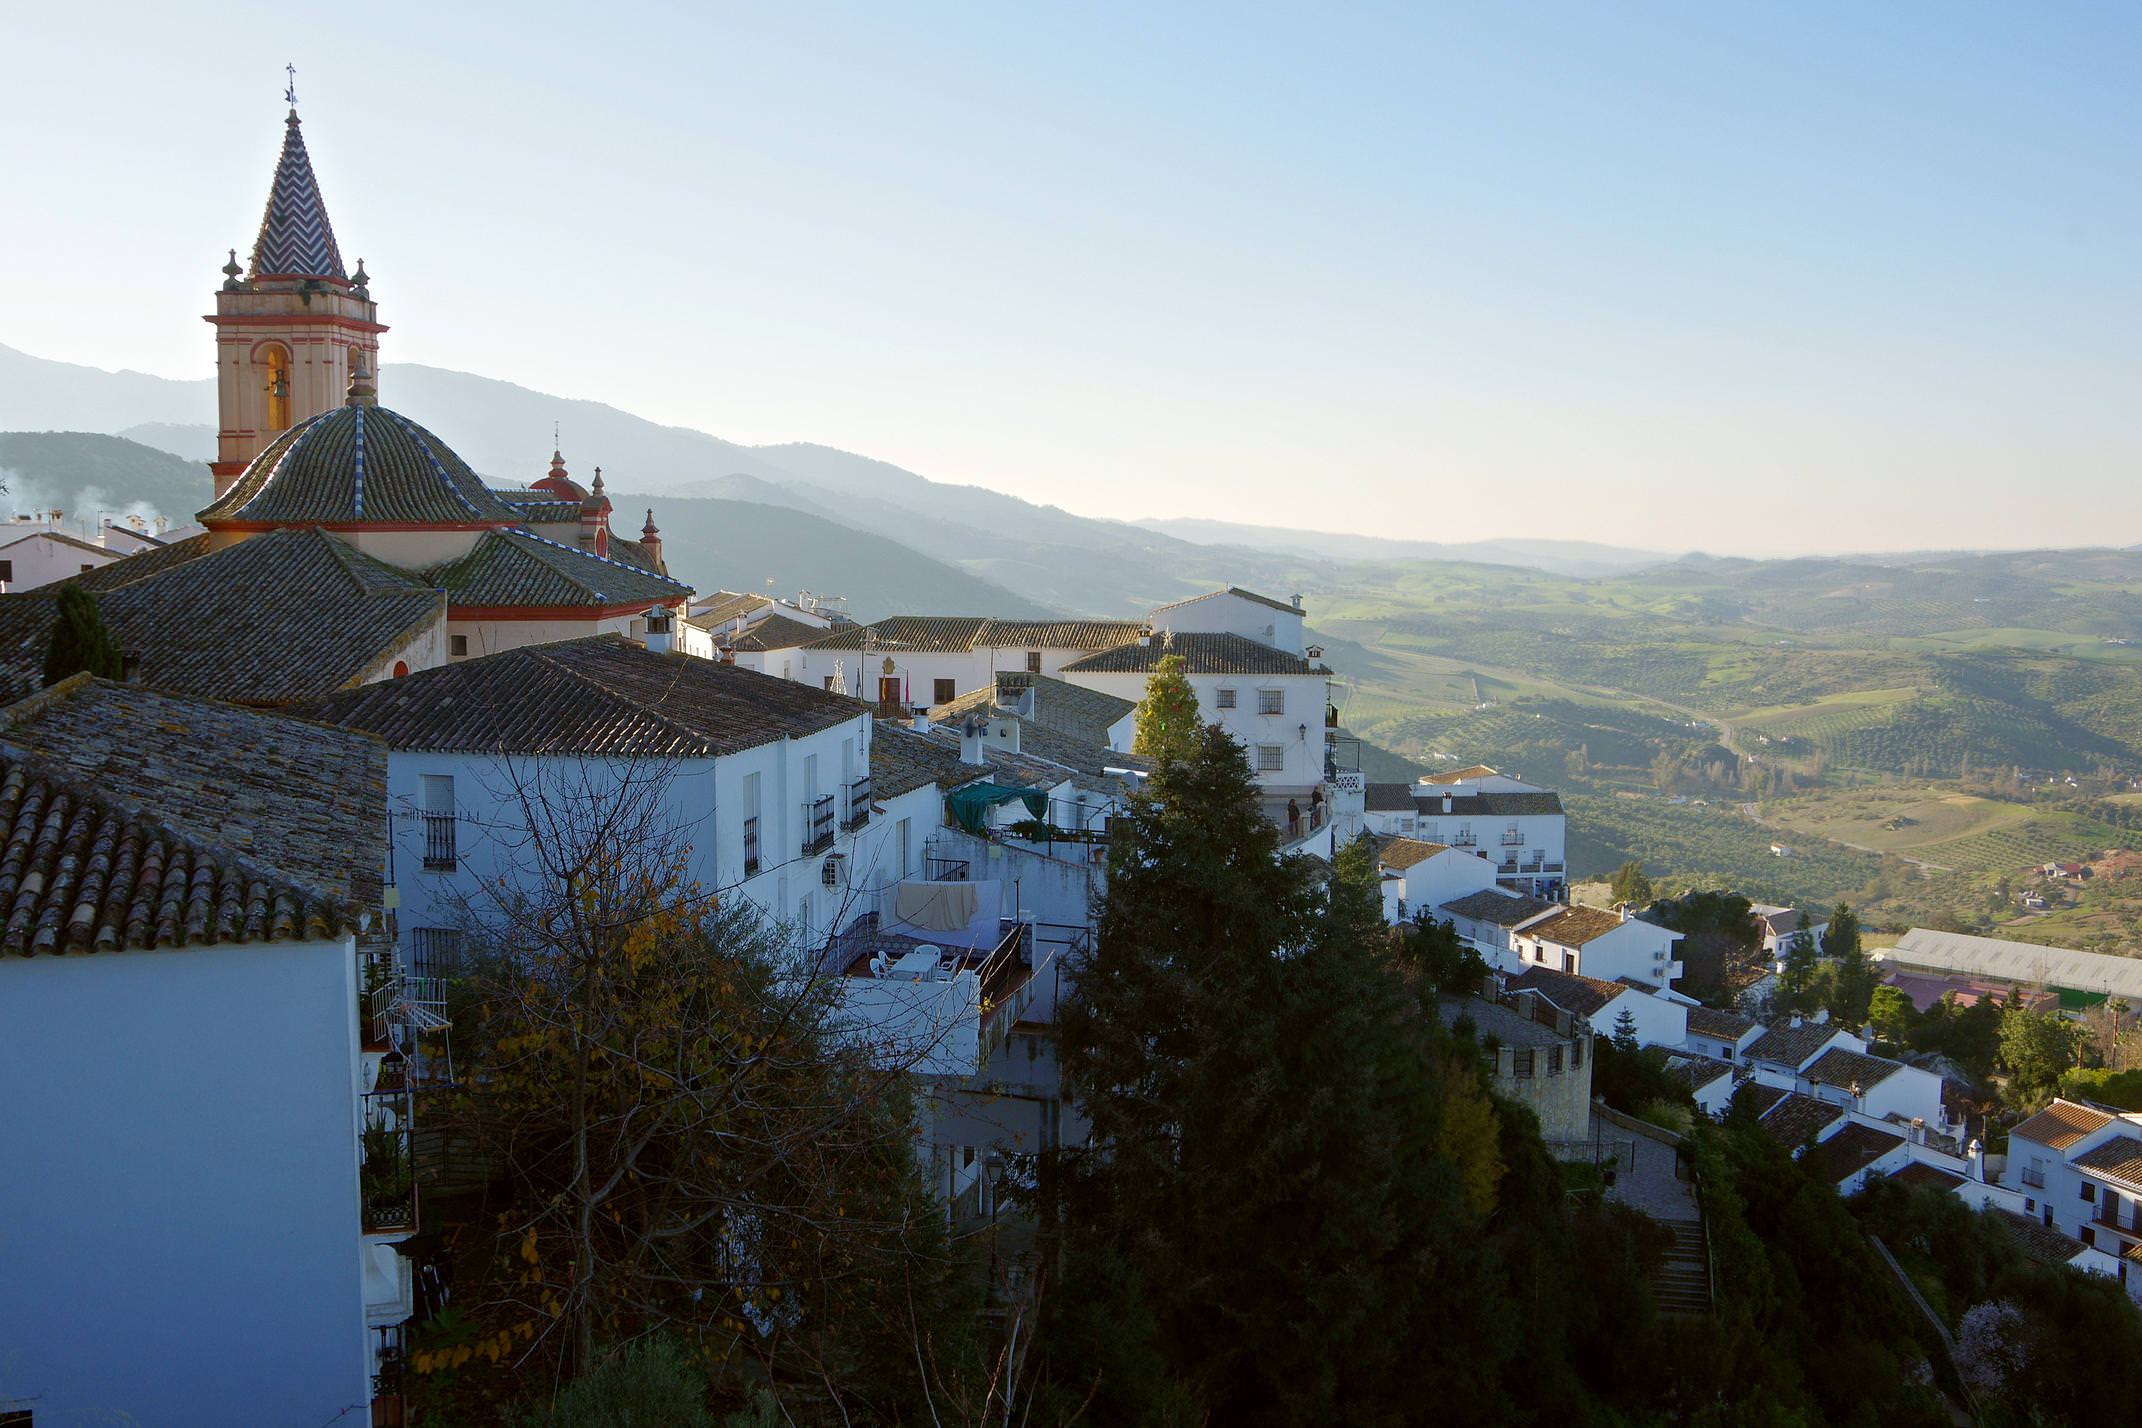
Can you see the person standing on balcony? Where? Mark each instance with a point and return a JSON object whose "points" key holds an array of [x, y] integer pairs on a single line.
{"points": [[1294, 819]]}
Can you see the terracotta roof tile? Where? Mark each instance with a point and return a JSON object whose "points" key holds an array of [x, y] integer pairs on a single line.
{"points": [[1920, 1173], [601, 695], [1579, 996], [1790, 1045], [1845, 1069], [281, 616], [1575, 926], [1237, 590], [520, 568], [1404, 853], [1498, 908], [1795, 1119], [84, 867], [304, 801], [2039, 1243], [1201, 653], [1725, 1025], [1693, 1071], [2119, 1158], [2062, 1124], [1851, 1150]]}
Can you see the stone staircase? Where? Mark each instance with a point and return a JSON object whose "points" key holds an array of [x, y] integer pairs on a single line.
{"points": [[1682, 1285]]}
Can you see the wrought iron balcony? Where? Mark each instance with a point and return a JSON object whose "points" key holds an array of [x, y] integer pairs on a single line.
{"points": [[859, 802], [751, 846], [386, 1179], [818, 820], [440, 854], [1513, 840]]}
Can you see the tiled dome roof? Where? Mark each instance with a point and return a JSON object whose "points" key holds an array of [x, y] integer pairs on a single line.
{"points": [[355, 465]]}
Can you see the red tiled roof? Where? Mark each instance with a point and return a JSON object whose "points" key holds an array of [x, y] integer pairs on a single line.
{"points": [[2062, 1124]]}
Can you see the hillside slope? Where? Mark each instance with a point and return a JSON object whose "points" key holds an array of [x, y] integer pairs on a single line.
{"points": [[89, 475]]}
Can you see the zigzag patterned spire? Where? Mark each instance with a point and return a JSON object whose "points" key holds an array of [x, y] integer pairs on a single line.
{"points": [[295, 239]]}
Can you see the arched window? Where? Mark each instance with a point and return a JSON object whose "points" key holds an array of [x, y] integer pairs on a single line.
{"points": [[401, 669], [273, 361]]}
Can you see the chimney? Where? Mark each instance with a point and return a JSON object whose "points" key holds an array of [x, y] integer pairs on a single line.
{"points": [[922, 722], [973, 742], [1005, 732], [1297, 602], [659, 618], [1446, 803]]}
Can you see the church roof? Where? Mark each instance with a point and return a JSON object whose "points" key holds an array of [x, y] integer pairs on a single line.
{"points": [[359, 464], [296, 240], [284, 615], [517, 567]]}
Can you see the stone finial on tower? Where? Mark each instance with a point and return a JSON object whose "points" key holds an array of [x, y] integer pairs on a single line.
{"points": [[364, 392], [651, 538], [232, 272], [361, 283]]}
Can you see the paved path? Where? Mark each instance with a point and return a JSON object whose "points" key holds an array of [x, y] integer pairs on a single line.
{"points": [[1649, 1184]]}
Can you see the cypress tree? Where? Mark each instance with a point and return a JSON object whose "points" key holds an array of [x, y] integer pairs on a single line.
{"points": [[1275, 1170], [79, 639]]}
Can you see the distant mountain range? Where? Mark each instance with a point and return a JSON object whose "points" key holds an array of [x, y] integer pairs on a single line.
{"points": [[1015, 556], [1562, 557]]}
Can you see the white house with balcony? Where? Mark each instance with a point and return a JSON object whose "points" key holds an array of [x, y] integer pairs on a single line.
{"points": [[191, 1211], [762, 787], [1272, 701], [2079, 1169], [1521, 826]]}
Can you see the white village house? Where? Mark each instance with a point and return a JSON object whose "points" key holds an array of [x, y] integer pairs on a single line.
{"points": [[1520, 826], [204, 1229]]}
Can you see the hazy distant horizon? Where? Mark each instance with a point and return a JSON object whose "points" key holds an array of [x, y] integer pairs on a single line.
{"points": [[1702, 279]]}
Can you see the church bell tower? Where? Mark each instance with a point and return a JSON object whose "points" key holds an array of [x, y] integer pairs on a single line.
{"points": [[292, 326]]}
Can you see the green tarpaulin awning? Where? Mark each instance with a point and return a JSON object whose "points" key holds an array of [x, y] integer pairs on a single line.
{"points": [[970, 805]]}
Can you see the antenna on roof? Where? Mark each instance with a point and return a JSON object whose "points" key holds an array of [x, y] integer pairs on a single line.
{"points": [[290, 89]]}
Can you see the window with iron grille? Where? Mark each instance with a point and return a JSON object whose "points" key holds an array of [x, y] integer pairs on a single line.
{"points": [[1226, 699], [434, 951], [751, 846], [1271, 758], [1521, 1062], [440, 853], [1271, 701]]}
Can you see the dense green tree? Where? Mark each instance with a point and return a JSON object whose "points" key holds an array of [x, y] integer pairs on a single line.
{"points": [[1254, 1064], [1892, 1014], [2037, 1049], [1718, 931], [1853, 975], [1630, 884], [80, 642], [1167, 722], [1796, 982]]}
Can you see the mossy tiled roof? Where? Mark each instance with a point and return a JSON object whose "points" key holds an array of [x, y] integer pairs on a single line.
{"points": [[281, 616], [136, 820], [516, 567], [359, 464]]}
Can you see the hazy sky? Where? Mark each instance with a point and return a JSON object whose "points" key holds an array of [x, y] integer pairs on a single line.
{"points": [[1744, 277]]}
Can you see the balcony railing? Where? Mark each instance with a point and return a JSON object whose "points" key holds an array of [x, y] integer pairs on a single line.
{"points": [[1465, 840], [1513, 840], [439, 852], [386, 1178], [859, 802], [818, 821], [751, 846], [2034, 1178], [2108, 1214]]}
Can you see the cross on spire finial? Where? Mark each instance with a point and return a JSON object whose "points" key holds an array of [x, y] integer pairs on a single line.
{"points": [[554, 446], [290, 89]]}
